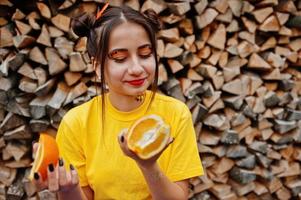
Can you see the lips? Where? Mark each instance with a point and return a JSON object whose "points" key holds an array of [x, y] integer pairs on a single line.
{"points": [[137, 82]]}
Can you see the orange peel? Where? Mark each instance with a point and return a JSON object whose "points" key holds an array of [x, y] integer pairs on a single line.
{"points": [[47, 153], [148, 136]]}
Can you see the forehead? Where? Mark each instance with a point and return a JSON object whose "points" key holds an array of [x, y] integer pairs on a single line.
{"points": [[128, 35]]}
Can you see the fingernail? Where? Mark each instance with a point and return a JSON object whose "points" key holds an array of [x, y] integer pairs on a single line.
{"points": [[122, 138], [71, 167], [36, 176], [61, 162], [51, 167]]}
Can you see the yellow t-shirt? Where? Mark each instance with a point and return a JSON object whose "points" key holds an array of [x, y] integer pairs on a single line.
{"points": [[99, 159]]}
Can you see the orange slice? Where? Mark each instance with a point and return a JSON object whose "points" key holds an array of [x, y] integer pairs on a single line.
{"points": [[46, 154], [148, 136]]}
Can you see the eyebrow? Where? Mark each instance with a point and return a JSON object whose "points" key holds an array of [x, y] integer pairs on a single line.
{"points": [[140, 47]]}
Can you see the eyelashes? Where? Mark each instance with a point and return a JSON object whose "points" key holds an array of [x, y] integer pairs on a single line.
{"points": [[121, 55]]}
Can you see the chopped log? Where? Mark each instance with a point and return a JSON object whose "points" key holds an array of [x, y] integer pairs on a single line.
{"points": [[250, 37], [16, 150], [76, 91], [41, 75], [201, 6], [56, 64], [287, 6], [45, 88], [24, 162], [233, 87], [230, 137], [187, 26], [249, 162], [20, 133], [11, 121], [174, 65], [172, 51], [256, 62], [261, 14], [7, 175], [32, 17], [6, 37], [28, 85], [26, 70], [36, 55], [76, 62], [270, 43], [64, 47], [44, 10], [23, 28], [242, 176], [207, 138], [39, 125], [179, 8], [218, 122], [157, 5], [206, 18], [295, 45], [236, 7], [62, 22], [218, 38], [270, 24], [44, 37], [18, 15], [55, 32], [245, 49], [282, 126], [38, 106], [247, 7], [233, 26], [250, 25], [58, 97], [170, 35], [21, 41], [226, 17]]}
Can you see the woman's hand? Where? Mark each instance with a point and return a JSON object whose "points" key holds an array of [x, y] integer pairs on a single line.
{"points": [[141, 162], [59, 179]]}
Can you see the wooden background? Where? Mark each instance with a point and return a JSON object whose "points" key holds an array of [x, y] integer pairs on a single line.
{"points": [[235, 63]]}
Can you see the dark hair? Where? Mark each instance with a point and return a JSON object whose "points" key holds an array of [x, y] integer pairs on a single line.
{"points": [[98, 31]]}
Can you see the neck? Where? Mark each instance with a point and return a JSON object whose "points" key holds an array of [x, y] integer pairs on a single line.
{"points": [[124, 103]]}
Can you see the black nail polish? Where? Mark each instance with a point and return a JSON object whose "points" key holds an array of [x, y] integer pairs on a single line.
{"points": [[51, 167], [122, 138], [36, 176], [61, 162], [71, 167]]}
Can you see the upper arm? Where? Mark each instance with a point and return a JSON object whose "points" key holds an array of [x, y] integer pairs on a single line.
{"points": [[184, 184], [89, 193]]}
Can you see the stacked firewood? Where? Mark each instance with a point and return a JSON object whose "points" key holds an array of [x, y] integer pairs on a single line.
{"points": [[234, 63]]}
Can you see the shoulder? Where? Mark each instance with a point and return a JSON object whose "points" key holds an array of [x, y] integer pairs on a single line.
{"points": [[82, 111], [171, 105]]}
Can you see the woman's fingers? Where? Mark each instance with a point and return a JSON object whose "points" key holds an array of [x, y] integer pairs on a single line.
{"points": [[74, 175], [53, 183], [35, 147], [38, 182], [64, 181]]}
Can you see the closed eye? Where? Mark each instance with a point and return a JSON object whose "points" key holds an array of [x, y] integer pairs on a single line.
{"points": [[118, 55], [145, 51]]}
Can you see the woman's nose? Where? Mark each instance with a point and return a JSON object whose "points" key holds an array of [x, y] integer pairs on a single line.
{"points": [[135, 68]]}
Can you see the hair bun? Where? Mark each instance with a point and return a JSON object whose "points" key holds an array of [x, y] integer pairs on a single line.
{"points": [[82, 25], [152, 16]]}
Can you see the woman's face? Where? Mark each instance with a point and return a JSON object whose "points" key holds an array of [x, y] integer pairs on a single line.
{"points": [[130, 65]]}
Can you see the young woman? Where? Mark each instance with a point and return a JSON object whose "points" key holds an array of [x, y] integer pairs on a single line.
{"points": [[122, 45]]}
